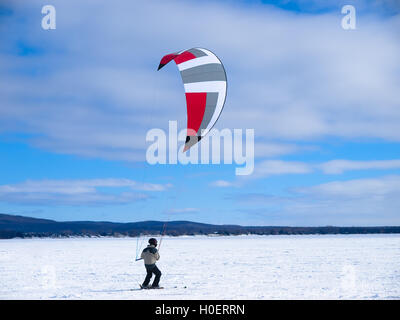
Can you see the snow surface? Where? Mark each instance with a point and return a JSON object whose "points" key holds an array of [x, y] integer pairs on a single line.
{"points": [[234, 267]]}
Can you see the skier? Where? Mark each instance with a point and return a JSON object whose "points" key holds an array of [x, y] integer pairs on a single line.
{"points": [[150, 255]]}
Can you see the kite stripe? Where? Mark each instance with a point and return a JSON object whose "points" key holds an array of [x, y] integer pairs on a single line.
{"points": [[218, 109], [198, 53], [196, 105], [208, 86], [184, 56], [206, 72], [212, 99], [197, 62]]}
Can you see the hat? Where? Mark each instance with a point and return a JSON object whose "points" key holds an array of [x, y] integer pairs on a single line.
{"points": [[153, 241]]}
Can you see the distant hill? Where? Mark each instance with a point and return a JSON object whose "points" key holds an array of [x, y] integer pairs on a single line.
{"points": [[12, 226]]}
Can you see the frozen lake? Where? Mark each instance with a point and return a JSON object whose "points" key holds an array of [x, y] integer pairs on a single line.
{"points": [[237, 267]]}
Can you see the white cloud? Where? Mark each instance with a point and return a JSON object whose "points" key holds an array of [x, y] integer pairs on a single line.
{"points": [[364, 188], [374, 201], [78, 192], [223, 184], [273, 149], [354, 202], [268, 168], [340, 166]]}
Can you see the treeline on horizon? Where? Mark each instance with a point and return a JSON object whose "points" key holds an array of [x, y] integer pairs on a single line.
{"points": [[215, 231], [12, 226]]}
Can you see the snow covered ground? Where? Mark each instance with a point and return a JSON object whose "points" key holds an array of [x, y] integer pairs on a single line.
{"points": [[237, 267]]}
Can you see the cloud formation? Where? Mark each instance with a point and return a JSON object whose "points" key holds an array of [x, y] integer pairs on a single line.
{"points": [[365, 188], [268, 168], [368, 202], [223, 184], [78, 192], [291, 77], [340, 166]]}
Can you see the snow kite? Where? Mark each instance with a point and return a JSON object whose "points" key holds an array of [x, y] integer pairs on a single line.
{"points": [[204, 80]]}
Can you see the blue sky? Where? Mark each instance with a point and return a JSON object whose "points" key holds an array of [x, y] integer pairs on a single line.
{"points": [[76, 103]]}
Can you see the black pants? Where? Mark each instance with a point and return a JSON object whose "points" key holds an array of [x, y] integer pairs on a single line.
{"points": [[150, 270]]}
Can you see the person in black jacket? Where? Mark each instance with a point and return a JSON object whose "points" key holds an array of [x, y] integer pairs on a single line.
{"points": [[150, 255]]}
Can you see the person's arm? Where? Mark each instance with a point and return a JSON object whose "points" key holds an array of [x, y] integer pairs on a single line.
{"points": [[157, 255]]}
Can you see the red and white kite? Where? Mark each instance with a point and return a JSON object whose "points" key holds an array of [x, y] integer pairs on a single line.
{"points": [[204, 79]]}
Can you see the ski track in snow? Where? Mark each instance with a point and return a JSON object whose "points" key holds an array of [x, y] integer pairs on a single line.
{"points": [[233, 267]]}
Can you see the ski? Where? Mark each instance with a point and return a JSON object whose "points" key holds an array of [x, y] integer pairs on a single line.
{"points": [[149, 288]]}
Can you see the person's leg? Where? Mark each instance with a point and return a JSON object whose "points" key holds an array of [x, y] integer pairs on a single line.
{"points": [[157, 272], [148, 276]]}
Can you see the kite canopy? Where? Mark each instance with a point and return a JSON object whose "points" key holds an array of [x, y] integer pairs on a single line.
{"points": [[204, 80]]}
